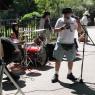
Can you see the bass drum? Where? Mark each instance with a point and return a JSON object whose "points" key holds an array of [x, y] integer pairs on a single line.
{"points": [[37, 55]]}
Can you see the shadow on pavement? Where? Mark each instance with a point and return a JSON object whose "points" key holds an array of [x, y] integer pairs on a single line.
{"points": [[34, 74], [79, 89], [7, 86], [45, 68]]}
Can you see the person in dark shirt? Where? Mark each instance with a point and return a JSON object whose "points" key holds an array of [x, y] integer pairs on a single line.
{"points": [[45, 24], [11, 50], [15, 31], [11, 54]]}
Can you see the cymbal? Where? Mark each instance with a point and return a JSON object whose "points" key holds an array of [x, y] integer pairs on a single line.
{"points": [[15, 41], [20, 43], [39, 30]]}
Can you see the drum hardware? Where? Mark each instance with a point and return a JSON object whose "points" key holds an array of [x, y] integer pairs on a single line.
{"points": [[37, 52], [26, 60], [34, 53], [37, 55]]}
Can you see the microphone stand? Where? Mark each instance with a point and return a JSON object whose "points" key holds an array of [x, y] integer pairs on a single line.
{"points": [[82, 66]]}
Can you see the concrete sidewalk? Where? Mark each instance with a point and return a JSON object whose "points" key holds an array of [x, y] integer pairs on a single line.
{"points": [[38, 82]]}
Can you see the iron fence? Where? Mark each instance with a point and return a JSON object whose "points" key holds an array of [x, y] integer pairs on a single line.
{"points": [[25, 27]]}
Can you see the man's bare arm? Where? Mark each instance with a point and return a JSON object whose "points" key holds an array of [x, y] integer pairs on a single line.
{"points": [[59, 29]]}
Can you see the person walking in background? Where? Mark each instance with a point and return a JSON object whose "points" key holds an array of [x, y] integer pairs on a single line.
{"points": [[84, 21], [45, 24]]}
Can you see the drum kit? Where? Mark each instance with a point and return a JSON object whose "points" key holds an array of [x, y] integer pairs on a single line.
{"points": [[34, 52]]}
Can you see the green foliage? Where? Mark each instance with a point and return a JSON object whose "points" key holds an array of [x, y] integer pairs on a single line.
{"points": [[30, 15], [19, 8], [22, 7], [55, 6]]}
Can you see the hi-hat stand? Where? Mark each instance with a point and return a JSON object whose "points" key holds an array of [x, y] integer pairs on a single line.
{"points": [[26, 60]]}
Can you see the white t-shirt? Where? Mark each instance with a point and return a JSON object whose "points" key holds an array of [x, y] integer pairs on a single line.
{"points": [[84, 20], [66, 36]]}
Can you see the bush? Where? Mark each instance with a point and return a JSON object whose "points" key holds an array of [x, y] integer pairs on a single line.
{"points": [[30, 15]]}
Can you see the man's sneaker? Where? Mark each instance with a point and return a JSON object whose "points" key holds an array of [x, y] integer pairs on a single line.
{"points": [[71, 77], [55, 78]]}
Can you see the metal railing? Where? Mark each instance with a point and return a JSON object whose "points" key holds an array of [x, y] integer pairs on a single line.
{"points": [[27, 27]]}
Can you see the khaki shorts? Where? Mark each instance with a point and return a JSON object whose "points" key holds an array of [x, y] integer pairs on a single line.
{"points": [[59, 53]]}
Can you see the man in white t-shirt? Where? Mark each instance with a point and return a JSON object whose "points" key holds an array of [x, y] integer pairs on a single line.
{"points": [[65, 27]]}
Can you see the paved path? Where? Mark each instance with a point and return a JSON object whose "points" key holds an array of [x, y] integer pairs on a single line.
{"points": [[38, 82]]}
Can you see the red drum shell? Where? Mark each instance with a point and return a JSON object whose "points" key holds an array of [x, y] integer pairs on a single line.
{"points": [[33, 49]]}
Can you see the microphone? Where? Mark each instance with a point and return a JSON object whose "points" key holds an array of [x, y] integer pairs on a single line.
{"points": [[68, 26]]}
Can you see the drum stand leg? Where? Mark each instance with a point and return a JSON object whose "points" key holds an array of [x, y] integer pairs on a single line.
{"points": [[28, 60], [2, 70]]}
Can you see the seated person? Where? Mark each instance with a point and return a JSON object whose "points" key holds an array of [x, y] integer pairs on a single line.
{"points": [[15, 37], [11, 54], [15, 32], [37, 41]]}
